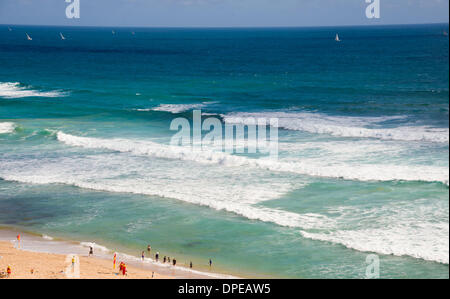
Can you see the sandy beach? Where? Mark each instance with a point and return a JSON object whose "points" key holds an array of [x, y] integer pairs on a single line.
{"points": [[57, 266], [50, 258]]}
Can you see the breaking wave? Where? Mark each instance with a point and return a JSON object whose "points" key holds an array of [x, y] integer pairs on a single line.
{"points": [[359, 172], [7, 127], [175, 108], [12, 90], [356, 127]]}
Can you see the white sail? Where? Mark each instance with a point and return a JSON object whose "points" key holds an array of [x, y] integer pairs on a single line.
{"points": [[28, 37], [337, 38], [62, 36], [9, 28], [113, 32]]}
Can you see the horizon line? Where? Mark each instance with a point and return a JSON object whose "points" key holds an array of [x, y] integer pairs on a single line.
{"points": [[225, 27]]}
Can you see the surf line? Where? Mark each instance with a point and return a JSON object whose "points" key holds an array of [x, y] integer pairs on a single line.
{"points": [[252, 130]]}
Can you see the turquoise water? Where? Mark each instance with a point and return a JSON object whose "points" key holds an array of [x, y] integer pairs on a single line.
{"points": [[363, 145]]}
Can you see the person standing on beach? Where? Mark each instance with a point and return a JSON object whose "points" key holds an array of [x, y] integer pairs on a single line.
{"points": [[157, 256], [18, 241], [149, 249], [124, 269], [210, 263], [174, 261], [91, 251], [73, 263], [8, 271], [190, 265], [143, 255], [164, 259]]}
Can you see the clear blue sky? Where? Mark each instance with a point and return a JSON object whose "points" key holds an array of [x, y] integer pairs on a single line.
{"points": [[222, 13]]}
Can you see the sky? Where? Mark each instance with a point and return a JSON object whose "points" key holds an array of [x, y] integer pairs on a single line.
{"points": [[222, 13]]}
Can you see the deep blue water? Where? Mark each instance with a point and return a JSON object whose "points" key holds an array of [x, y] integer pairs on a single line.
{"points": [[363, 145]]}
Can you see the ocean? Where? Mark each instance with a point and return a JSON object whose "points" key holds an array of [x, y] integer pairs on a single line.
{"points": [[363, 145]]}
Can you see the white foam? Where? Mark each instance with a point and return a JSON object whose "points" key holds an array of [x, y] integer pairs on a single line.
{"points": [[398, 242], [391, 230], [220, 203], [176, 108], [46, 237], [95, 246], [311, 167], [168, 266], [16, 90], [356, 127], [417, 228], [7, 127], [238, 190]]}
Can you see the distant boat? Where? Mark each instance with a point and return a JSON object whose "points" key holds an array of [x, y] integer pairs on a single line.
{"points": [[28, 37], [9, 29], [62, 36], [337, 38], [113, 32]]}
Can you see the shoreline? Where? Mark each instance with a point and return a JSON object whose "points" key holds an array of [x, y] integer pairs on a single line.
{"points": [[37, 265], [43, 247]]}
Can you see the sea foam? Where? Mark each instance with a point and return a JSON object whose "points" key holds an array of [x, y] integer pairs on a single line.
{"points": [[176, 108], [360, 172], [7, 127], [13, 90], [340, 126], [225, 192], [416, 229]]}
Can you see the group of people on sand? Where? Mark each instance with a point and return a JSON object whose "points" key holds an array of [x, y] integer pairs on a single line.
{"points": [[166, 259], [6, 274], [122, 266]]}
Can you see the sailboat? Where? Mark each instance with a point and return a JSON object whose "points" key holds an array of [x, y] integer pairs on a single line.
{"points": [[28, 37], [337, 38], [9, 29], [62, 36], [113, 32]]}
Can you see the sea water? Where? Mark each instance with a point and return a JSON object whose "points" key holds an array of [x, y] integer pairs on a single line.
{"points": [[363, 129]]}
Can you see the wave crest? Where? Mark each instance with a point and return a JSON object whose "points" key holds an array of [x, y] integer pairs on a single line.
{"points": [[7, 127], [12, 90], [359, 172], [356, 127]]}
